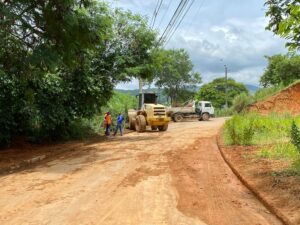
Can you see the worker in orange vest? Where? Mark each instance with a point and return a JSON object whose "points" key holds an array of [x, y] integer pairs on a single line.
{"points": [[107, 123]]}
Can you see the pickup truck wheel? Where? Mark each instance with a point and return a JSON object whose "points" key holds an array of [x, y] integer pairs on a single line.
{"points": [[178, 117], [153, 127], [205, 116], [163, 127], [140, 123]]}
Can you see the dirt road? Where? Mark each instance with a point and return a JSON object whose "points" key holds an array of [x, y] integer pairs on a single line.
{"points": [[176, 177]]}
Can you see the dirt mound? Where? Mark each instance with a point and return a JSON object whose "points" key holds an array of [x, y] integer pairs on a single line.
{"points": [[286, 101]]}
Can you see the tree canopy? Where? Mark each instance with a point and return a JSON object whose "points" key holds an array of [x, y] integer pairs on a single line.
{"points": [[281, 69], [60, 60], [174, 73], [285, 20], [215, 91]]}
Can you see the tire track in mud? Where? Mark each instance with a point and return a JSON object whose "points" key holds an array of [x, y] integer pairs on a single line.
{"points": [[209, 190]]}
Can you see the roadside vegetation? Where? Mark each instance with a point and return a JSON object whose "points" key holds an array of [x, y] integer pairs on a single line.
{"points": [[276, 136], [60, 62]]}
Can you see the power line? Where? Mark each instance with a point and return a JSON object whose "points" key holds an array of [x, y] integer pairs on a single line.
{"points": [[194, 17], [164, 15], [182, 18], [178, 18], [158, 11], [173, 20], [154, 12], [157, 8]]}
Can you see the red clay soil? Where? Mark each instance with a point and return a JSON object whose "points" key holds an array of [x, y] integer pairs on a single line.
{"points": [[286, 101], [20, 152], [279, 190]]}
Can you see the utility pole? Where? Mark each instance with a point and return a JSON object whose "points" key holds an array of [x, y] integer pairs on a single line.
{"points": [[141, 93], [226, 88]]}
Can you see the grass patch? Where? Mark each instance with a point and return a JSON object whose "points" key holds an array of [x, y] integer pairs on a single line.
{"points": [[253, 129], [239, 131], [277, 134], [296, 167], [264, 93], [224, 112], [264, 153], [285, 151]]}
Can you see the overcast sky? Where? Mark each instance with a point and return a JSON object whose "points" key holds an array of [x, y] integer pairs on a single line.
{"points": [[232, 30]]}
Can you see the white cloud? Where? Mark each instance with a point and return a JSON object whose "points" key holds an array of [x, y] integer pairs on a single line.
{"points": [[231, 30], [134, 84]]}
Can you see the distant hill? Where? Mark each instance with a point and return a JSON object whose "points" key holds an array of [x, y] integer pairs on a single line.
{"points": [[161, 97], [135, 92], [251, 88]]}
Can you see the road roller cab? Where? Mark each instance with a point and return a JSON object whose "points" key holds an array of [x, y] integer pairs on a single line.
{"points": [[149, 114]]}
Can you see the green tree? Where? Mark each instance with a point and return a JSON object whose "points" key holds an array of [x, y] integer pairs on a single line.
{"points": [[60, 60], [120, 103], [281, 69], [53, 32], [128, 53], [174, 73], [285, 20], [215, 91]]}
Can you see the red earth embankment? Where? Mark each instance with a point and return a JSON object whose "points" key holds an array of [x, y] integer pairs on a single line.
{"points": [[286, 101]]}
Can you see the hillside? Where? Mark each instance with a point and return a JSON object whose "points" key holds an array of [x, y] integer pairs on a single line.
{"points": [[286, 101]]}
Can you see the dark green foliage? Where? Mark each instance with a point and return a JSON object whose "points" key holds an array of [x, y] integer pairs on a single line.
{"points": [[215, 91], [8, 96], [285, 20], [281, 69], [54, 32], [59, 63], [295, 136], [120, 103]]}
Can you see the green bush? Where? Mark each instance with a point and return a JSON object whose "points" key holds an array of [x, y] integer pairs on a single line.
{"points": [[240, 102], [296, 167], [223, 112], [6, 118], [295, 136], [239, 131], [120, 103]]}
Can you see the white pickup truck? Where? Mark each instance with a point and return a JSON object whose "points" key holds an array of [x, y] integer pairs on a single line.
{"points": [[202, 110]]}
